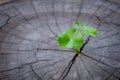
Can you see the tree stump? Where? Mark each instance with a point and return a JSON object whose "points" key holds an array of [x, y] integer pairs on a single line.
{"points": [[28, 40]]}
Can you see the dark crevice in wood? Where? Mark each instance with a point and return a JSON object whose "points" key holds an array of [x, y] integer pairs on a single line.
{"points": [[86, 42], [69, 66], [6, 22]]}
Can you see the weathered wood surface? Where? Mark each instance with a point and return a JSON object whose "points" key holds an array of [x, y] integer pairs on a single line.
{"points": [[28, 40]]}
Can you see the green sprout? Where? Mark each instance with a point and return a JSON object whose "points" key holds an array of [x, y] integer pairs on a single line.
{"points": [[74, 38]]}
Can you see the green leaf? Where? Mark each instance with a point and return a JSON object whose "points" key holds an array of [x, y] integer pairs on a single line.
{"points": [[78, 24], [70, 39], [63, 40], [90, 31], [74, 37], [86, 30], [79, 27]]}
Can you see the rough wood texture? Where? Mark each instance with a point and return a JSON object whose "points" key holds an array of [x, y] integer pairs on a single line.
{"points": [[28, 40]]}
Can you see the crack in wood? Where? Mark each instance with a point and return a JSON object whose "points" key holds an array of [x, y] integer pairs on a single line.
{"points": [[6, 22], [70, 64]]}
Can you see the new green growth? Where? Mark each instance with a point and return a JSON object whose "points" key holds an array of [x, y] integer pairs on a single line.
{"points": [[75, 37]]}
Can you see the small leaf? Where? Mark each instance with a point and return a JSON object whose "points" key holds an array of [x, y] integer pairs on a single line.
{"points": [[70, 32], [64, 38], [85, 30], [90, 31], [78, 24], [79, 27], [76, 40], [70, 39]]}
